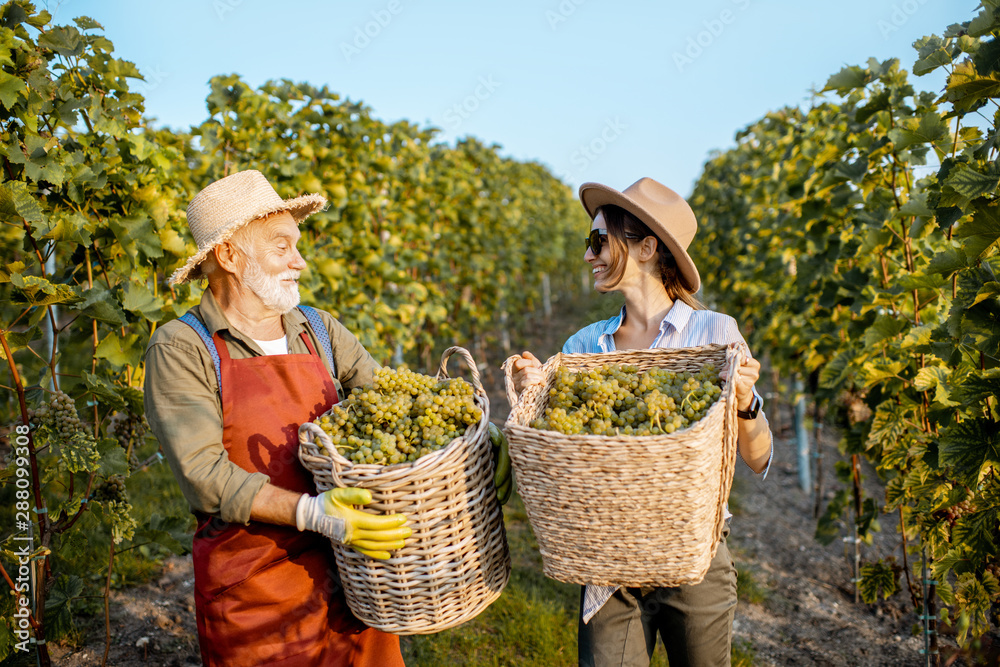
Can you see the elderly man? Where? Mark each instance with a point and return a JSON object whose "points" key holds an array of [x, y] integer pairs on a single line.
{"points": [[226, 387]]}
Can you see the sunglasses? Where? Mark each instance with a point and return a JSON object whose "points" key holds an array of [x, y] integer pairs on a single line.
{"points": [[595, 241]]}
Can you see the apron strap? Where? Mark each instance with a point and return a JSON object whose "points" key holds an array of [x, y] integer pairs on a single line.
{"points": [[322, 335], [189, 319], [312, 315]]}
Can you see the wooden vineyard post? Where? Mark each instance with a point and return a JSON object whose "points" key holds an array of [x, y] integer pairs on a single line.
{"points": [[774, 414], [818, 456], [928, 617], [504, 333], [546, 297], [856, 482], [801, 436]]}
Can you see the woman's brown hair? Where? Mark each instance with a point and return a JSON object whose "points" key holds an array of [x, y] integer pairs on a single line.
{"points": [[620, 222]]}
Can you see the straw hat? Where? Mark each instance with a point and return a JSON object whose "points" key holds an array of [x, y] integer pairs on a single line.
{"points": [[221, 208], [661, 209]]}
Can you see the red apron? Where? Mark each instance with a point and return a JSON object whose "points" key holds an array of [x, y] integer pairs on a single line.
{"points": [[267, 594]]}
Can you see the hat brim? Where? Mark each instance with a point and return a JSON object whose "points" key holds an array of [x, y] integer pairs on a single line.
{"points": [[595, 195], [300, 208]]}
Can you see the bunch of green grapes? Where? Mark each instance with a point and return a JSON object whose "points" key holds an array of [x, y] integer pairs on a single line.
{"points": [[400, 417], [111, 489], [128, 428], [617, 399], [59, 415]]}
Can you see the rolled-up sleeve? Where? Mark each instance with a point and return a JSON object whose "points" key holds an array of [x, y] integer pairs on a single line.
{"points": [[733, 335], [183, 411]]}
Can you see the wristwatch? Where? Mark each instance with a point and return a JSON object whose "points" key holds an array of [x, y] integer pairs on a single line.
{"points": [[754, 408]]}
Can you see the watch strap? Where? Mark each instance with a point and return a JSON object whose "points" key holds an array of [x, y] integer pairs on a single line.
{"points": [[751, 413]]}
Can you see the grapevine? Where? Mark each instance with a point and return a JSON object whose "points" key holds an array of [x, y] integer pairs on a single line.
{"points": [[619, 400], [857, 242], [60, 425]]}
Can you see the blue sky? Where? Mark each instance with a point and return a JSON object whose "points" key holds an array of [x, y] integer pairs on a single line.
{"points": [[596, 90]]}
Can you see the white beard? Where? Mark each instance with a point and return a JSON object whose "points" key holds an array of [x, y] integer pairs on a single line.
{"points": [[270, 290]]}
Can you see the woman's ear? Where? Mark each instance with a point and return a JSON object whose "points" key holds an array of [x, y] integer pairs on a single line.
{"points": [[647, 248]]}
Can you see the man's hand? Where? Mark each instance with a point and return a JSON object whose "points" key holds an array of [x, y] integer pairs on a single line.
{"points": [[331, 514]]}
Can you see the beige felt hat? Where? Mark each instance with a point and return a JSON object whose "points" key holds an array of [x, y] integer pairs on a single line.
{"points": [[221, 208], [661, 209]]}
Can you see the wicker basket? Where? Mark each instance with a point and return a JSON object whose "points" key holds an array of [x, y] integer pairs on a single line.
{"points": [[626, 510], [456, 562]]}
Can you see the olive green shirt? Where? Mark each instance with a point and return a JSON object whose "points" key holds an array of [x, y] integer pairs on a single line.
{"points": [[184, 410]]}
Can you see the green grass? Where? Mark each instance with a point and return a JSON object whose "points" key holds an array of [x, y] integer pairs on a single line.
{"points": [[532, 623], [736, 493], [748, 587], [153, 491], [743, 653]]}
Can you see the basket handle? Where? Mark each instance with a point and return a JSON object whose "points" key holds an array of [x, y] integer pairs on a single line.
{"points": [[508, 379], [312, 434], [735, 354], [508, 376], [443, 369], [740, 350]]}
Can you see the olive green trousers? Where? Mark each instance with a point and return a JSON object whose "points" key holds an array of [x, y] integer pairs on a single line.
{"points": [[695, 622]]}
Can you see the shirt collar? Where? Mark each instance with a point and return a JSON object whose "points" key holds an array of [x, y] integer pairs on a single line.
{"points": [[677, 317], [606, 340], [211, 314]]}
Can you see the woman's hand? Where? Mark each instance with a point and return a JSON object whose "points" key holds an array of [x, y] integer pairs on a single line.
{"points": [[748, 376], [527, 372]]}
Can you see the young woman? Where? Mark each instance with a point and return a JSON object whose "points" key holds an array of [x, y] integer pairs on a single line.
{"points": [[638, 246]]}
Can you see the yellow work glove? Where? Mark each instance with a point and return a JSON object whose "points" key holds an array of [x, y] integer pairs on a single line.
{"points": [[502, 479], [331, 514]]}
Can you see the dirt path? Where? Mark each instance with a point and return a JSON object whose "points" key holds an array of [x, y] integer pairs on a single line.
{"points": [[808, 616]]}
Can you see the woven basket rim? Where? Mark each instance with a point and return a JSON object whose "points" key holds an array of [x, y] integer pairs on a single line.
{"points": [[430, 457], [602, 438], [480, 398], [516, 417]]}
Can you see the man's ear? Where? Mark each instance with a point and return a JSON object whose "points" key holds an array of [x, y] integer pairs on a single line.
{"points": [[227, 257]]}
